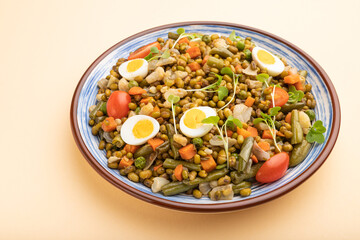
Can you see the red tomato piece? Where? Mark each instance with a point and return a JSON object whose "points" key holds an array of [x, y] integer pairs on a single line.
{"points": [[118, 104], [280, 97], [274, 168], [144, 51]]}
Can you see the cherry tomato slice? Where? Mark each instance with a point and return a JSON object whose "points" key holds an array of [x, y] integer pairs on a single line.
{"points": [[118, 104], [281, 97], [274, 168], [144, 51]]}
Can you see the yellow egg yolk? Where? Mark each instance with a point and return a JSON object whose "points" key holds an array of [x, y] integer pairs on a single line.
{"points": [[134, 65], [265, 57], [143, 128], [193, 118]]}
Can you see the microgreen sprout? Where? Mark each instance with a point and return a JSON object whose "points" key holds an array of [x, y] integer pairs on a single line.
{"points": [[295, 95], [173, 99], [316, 133], [192, 36], [233, 36], [222, 91], [230, 122], [150, 57], [228, 71]]}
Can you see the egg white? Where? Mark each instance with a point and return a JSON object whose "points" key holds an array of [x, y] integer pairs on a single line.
{"points": [[203, 129], [126, 132], [142, 71], [272, 69]]}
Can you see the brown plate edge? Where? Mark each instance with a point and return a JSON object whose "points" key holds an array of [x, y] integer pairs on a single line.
{"points": [[221, 207]]}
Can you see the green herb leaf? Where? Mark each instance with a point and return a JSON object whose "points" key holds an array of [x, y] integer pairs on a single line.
{"points": [[154, 50], [173, 99], [217, 83], [257, 120], [319, 127], [232, 36], [211, 120], [166, 54], [222, 92], [316, 133], [295, 95], [180, 30], [226, 70], [238, 122], [263, 77], [148, 57], [274, 111]]}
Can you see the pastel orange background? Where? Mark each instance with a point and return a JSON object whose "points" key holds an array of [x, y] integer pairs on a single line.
{"points": [[49, 191]]}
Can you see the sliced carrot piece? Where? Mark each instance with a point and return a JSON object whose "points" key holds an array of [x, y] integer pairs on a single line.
{"points": [[243, 132], [209, 164], [253, 131], [194, 66], [146, 100], [266, 134], [184, 40], [292, 79], [131, 148], [194, 44], [109, 124], [205, 59], [264, 146], [187, 152], [178, 172], [254, 159], [136, 91], [157, 167], [194, 52], [155, 142], [125, 162], [288, 118], [249, 101]]}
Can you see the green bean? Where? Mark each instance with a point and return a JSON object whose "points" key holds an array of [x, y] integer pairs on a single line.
{"points": [[299, 153], [173, 35], [239, 177], [236, 188], [287, 107], [171, 163], [215, 62], [296, 128], [170, 185], [117, 141], [223, 52], [164, 147], [170, 133], [176, 189], [245, 152], [212, 176], [98, 107], [100, 119], [221, 166], [144, 151]]}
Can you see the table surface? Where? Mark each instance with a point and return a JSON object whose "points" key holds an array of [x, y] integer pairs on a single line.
{"points": [[48, 189]]}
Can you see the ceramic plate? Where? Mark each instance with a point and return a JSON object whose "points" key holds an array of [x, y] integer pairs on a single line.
{"points": [[327, 110]]}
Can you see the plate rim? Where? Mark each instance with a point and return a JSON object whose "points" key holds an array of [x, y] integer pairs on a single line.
{"points": [[217, 207]]}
